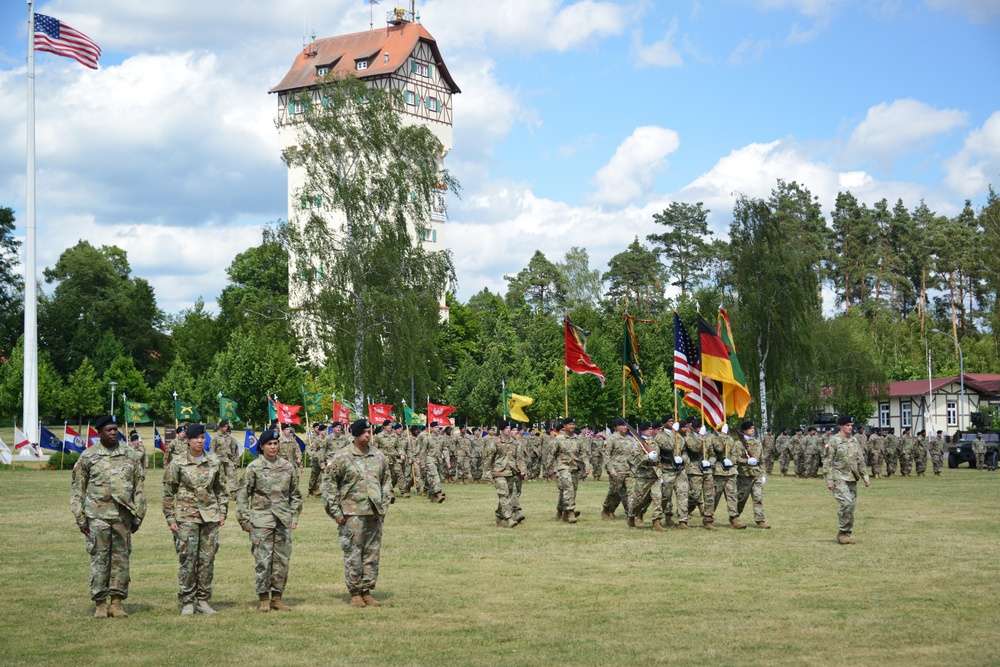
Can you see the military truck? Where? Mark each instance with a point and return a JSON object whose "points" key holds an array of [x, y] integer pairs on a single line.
{"points": [[960, 448]]}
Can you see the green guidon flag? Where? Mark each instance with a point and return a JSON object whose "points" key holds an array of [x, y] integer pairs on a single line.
{"points": [[411, 418], [184, 411], [137, 413], [227, 409], [313, 401]]}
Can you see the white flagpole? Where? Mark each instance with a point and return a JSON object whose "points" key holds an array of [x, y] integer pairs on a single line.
{"points": [[30, 418]]}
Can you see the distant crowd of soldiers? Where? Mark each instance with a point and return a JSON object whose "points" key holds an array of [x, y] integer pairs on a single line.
{"points": [[884, 453]]}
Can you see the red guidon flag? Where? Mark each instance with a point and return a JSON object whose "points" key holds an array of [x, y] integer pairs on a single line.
{"points": [[341, 413], [577, 360], [379, 412], [287, 414], [439, 413]]}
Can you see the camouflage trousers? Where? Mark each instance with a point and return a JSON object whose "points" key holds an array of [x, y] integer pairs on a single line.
{"points": [[109, 545], [196, 545], [361, 540], [876, 462], [407, 483], [726, 486], [432, 477], [508, 503], [396, 474], [890, 464], [476, 467], [768, 458], [700, 488], [937, 461], [271, 549], [596, 465], [905, 464], [920, 462], [645, 492], [980, 460], [783, 458], [752, 487], [800, 463], [617, 494], [462, 467], [812, 463], [675, 482], [846, 494], [567, 481], [315, 476]]}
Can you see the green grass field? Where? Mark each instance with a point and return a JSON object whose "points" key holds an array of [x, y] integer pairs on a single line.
{"points": [[920, 587]]}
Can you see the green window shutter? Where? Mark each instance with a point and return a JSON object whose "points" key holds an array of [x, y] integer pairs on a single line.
{"points": [[434, 235], [304, 201], [430, 71], [319, 201], [427, 102], [413, 66]]}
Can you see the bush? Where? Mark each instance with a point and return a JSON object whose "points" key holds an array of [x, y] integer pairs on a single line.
{"points": [[248, 458], [61, 461]]}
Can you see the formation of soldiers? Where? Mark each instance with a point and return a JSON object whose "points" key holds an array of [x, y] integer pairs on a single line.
{"points": [[883, 452]]}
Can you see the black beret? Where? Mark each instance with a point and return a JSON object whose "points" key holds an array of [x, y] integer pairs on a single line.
{"points": [[182, 428], [378, 429], [224, 422], [645, 426], [798, 429], [845, 419], [359, 427], [104, 421], [569, 420], [387, 422], [447, 430], [319, 425], [335, 424], [194, 430], [267, 436], [433, 423], [657, 423], [747, 425], [668, 418], [134, 437], [690, 419], [620, 421], [502, 425], [696, 423]]}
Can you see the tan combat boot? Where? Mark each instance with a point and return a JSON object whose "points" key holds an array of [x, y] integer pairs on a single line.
{"points": [[277, 604], [735, 523], [358, 601], [669, 522], [265, 605], [117, 610], [631, 522], [511, 523], [102, 609], [709, 525], [369, 601], [683, 525], [571, 517], [559, 515], [844, 538], [761, 524], [607, 516], [658, 527]]}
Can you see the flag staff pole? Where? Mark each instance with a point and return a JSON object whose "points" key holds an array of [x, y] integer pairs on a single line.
{"points": [[624, 343], [62, 455], [701, 396], [30, 386], [305, 408]]}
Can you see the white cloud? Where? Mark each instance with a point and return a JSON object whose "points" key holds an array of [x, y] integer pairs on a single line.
{"points": [[628, 176], [891, 130], [977, 11], [749, 51], [804, 7], [659, 54], [977, 164]]}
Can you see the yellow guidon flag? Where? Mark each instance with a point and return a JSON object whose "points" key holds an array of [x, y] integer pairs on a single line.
{"points": [[516, 404]]}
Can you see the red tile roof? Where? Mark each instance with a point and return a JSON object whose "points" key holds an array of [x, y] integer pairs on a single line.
{"points": [[984, 383], [340, 54]]}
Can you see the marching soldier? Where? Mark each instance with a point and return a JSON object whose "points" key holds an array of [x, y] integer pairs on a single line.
{"points": [[177, 446], [619, 450], [843, 468], [784, 445], [502, 462], [225, 447], [768, 454], [750, 477], [316, 448], [568, 466], [288, 448], [675, 481], [701, 483]]}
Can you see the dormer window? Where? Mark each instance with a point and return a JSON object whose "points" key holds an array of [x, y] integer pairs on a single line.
{"points": [[322, 71], [362, 64]]}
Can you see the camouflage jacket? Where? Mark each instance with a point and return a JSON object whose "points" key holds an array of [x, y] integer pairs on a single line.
{"points": [[195, 491], [289, 450], [743, 467], [357, 483], [725, 448], [783, 443], [176, 447], [842, 460], [936, 446], [227, 450], [108, 484], [435, 447], [696, 453], [503, 458], [642, 466], [270, 492], [333, 444], [619, 450], [905, 445], [386, 442], [665, 441], [570, 454]]}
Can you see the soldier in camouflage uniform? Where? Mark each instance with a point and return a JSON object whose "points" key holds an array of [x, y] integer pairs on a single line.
{"points": [[905, 448], [890, 452], [177, 446], [876, 444], [813, 451], [842, 468], [568, 465], [619, 449], [936, 448], [356, 494], [920, 453], [701, 483], [503, 460], [225, 447], [476, 456], [316, 449], [784, 445], [798, 446], [268, 507], [415, 450], [672, 466], [645, 489], [750, 477], [195, 504], [387, 443], [768, 454], [288, 448], [108, 502], [863, 444], [979, 450], [463, 455], [597, 444], [435, 450], [135, 442], [725, 472]]}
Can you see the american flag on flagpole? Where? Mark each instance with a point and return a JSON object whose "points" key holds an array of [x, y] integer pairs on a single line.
{"points": [[54, 36], [687, 373]]}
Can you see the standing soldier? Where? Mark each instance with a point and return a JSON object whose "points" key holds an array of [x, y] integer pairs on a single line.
{"points": [[890, 452], [568, 466], [920, 453], [937, 453], [750, 477], [812, 445], [415, 451], [195, 504], [979, 449], [768, 455], [225, 447], [876, 445], [619, 449], [675, 481], [316, 448], [135, 442], [701, 483], [356, 494], [597, 456], [108, 502], [463, 457], [177, 446], [435, 450], [905, 448], [863, 444], [268, 507], [842, 468], [799, 453], [476, 447], [502, 462], [288, 448], [645, 488], [784, 445], [725, 472]]}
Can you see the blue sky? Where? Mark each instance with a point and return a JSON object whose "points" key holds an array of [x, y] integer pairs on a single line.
{"points": [[577, 121]]}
